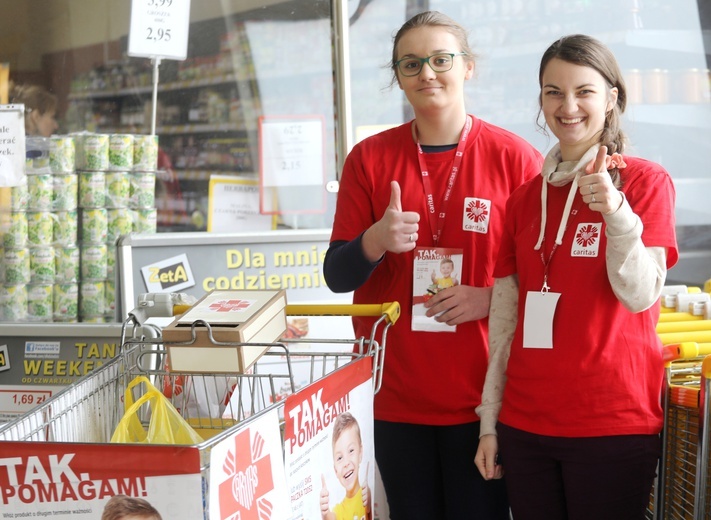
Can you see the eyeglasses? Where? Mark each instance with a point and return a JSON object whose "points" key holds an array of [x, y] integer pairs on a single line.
{"points": [[441, 62]]}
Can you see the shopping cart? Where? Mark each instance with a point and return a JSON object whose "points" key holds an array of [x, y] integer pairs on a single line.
{"points": [[682, 490], [89, 410]]}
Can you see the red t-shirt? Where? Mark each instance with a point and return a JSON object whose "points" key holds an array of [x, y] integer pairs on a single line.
{"points": [[431, 378], [604, 374]]}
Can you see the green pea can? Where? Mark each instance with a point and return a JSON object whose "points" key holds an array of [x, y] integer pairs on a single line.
{"points": [[91, 299], [118, 186], [92, 189], [16, 266], [66, 264], [120, 222], [65, 228], [40, 302], [65, 192], [93, 262], [143, 190], [121, 152], [62, 154], [40, 188], [42, 265], [65, 302], [94, 154], [40, 228], [110, 261], [145, 152], [109, 297], [94, 225], [17, 229], [13, 302], [145, 220], [19, 196]]}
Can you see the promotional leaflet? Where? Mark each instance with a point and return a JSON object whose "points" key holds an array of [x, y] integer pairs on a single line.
{"points": [[328, 444], [435, 269]]}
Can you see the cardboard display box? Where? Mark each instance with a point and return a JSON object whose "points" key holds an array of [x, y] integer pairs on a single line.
{"points": [[233, 317]]}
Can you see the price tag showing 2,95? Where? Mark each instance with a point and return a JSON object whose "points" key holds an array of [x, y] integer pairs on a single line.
{"points": [[159, 29]]}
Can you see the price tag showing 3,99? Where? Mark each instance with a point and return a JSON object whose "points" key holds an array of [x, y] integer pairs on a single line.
{"points": [[159, 29]]}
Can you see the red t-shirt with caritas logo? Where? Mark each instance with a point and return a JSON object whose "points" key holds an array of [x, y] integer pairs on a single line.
{"points": [[604, 374]]}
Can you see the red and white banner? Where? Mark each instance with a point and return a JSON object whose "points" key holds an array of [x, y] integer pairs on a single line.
{"points": [[247, 474], [75, 481], [328, 444]]}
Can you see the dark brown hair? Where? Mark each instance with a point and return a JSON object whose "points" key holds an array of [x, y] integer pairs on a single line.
{"points": [[586, 51], [34, 97]]}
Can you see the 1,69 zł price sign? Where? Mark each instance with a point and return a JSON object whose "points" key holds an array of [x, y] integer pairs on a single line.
{"points": [[159, 29]]}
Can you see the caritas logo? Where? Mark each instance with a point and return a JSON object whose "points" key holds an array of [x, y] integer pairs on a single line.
{"points": [[249, 478], [476, 215], [587, 240]]}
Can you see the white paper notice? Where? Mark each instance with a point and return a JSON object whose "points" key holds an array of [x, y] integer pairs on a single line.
{"points": [[12, 145], [292, 152], [538, 319], [159, 29], [234, 206]]}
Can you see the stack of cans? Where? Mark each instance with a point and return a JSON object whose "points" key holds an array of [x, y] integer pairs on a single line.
{"points": [[58, 236]]}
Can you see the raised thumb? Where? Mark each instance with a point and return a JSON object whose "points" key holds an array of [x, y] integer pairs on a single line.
{"points": [[395, 196]]}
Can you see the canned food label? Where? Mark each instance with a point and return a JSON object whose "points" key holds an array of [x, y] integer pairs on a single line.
{"points": [[17, 229], [93, 262], [121, 152], [65, 228], [95, 152], [94, 225], [62, 151], [40, 228], [39, 302], [66, 264], [13, 302], [143, 190], [20, 196], [91, 298], [40, 189], [66, 301], [145, 152], [64, 192], [145, 220], [118, 186], [16, 266], [42, 265], [92, 189]]}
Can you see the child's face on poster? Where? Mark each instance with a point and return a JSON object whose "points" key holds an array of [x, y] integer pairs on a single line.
{"points": [[347, 456]]}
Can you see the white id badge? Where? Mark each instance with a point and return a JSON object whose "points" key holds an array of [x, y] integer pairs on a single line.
{"points": [[538, 319]]}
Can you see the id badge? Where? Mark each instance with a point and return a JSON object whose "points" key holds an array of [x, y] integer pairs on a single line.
{"points": [[538, 319]]}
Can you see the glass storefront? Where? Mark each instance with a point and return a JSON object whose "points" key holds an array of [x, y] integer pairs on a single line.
{"points": [[260, 69]]}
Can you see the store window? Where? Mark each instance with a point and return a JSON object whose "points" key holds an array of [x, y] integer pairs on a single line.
{"points": [[663, 47], [258, 69]]}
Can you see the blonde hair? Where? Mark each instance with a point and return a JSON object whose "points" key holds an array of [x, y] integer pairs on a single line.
{"points": [[34, 97], [121, 506]]}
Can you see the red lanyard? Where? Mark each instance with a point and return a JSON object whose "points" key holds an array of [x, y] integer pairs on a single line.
{"points": [[436, 227]]}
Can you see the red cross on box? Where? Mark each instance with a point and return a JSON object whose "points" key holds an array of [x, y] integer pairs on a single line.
{"points": [[230, 305]]}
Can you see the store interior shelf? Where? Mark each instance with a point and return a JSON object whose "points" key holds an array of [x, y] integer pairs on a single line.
{"points": [[688, 116], [218, 79], [205, 174]]}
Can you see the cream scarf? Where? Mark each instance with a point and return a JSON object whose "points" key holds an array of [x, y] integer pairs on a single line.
{"points": [[558, 173]]}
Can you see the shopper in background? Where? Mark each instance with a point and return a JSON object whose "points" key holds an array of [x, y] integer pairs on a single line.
{"points": [[575, 371], [122, 507], [393, 199], [40, 109]]}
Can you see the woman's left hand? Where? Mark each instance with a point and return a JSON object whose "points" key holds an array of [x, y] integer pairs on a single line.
{"points": [[597, 189], [459, 304]]}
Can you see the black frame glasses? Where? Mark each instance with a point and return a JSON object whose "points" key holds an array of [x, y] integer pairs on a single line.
{"points": [[420, 62]]}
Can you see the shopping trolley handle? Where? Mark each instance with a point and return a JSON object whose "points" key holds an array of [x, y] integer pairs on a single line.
{"points": [[389, 310], [685, 350], [160, 305]]}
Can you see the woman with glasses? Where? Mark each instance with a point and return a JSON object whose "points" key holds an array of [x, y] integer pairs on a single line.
{"points": [[438, 181], [576, 368]]}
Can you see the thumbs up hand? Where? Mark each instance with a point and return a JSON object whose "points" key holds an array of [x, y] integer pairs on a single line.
{"points": [[395, 232], [324, 499], [596, 187]]}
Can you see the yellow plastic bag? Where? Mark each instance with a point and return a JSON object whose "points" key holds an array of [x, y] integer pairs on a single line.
{"points": [[166, 426]]}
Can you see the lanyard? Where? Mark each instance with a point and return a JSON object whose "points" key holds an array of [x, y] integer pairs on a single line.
{"points": [[546, 263], [436, 227]]}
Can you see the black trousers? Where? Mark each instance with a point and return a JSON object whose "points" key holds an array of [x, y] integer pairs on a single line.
{"points": [[429, 474], [589, 478]]}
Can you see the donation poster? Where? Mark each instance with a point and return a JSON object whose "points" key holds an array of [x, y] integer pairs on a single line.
{"points": [[328, 445], [75, 481], [247, 474]]}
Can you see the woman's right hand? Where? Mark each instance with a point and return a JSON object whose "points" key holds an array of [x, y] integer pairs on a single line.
{"points": [[485, 458], [395, 232]]}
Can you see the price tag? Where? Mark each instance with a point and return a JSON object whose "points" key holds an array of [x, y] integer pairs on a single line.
{"points": [[159, 29], [19, 400], [291, 151]]}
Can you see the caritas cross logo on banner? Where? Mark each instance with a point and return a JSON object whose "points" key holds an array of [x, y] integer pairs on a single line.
{"points": [[249, 478], [231, 305]]}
